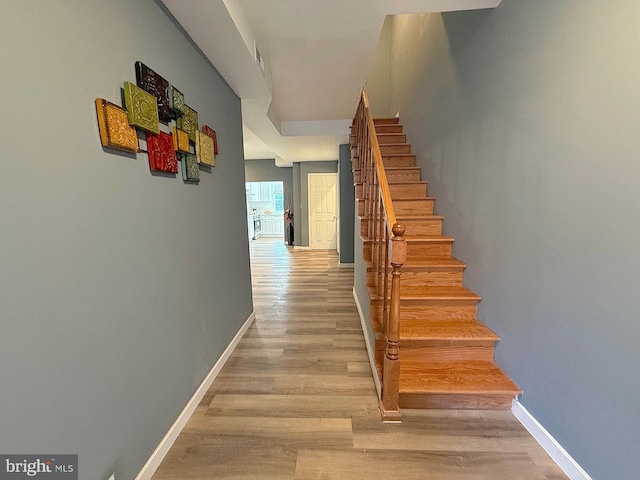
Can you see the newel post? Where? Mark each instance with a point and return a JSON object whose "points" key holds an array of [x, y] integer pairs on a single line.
{"points": [[389, 406]]}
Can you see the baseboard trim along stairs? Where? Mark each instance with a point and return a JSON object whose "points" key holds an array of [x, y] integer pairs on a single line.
{"points": [[569, 466]]}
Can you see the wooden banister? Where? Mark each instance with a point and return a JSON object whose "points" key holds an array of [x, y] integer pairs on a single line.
{"points": [[388, 248]]}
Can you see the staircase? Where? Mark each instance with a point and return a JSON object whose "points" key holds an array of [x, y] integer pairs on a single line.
{"points": [[445, 353]]}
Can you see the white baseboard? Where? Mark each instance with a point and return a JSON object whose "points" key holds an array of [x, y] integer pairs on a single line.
{"points": [[299, 247], [165, 444], [346, 265], [370, 350], [569, 466]]}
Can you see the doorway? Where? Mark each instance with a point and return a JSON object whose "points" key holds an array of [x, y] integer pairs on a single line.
{"points": [[323, 210]]}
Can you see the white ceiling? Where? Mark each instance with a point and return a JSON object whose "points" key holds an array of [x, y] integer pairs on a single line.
{"points": [[317, 56]]}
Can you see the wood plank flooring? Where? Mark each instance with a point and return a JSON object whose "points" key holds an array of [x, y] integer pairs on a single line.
{"points": [[296, 400]]}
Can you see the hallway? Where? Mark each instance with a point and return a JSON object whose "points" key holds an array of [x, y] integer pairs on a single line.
{"points": [[296, 398]]}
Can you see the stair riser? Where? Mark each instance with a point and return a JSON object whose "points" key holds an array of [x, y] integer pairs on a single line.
{"points": [[423, 206], [455, 351], [450, 277], [425, 227], [361, 212], [399, 161], [415, 251], [407, 190], [403, 176], [409, 280], [404, 207], [426, 313], [425, 307], [367, 251], [386, 121], [388, 128], [393, 149], [391, 138], [459, 401], [398, 190], [430, 279], [357, 177]]}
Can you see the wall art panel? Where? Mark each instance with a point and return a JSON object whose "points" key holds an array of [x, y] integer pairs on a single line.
{"points": [[115, 131], [142, 108], [157, 86], [162, 156], [212, 133], [189, 122], [180, 140], [204, 149], [190, 169], [176, 101]]}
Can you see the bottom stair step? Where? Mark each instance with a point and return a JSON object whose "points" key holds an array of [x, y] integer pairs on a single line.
{"points": [[455, 384]]}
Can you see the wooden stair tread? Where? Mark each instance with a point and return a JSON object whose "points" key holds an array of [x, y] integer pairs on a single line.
{"points": [[446, 330], [400, 168], [417, 238], [387, 156], [454, 377], [419, 217], [412, 199], [410, 182]]}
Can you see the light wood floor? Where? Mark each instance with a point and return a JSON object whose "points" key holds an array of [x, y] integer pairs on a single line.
{"points": [[296, 399]]}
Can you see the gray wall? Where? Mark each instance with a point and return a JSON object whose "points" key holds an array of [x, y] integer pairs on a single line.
{"points": [[525, 121], [301, 199], [119, 290], [266, 171], [347, 210]]}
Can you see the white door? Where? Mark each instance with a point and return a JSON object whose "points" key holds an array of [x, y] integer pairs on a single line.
{"points": [[323, 211]]}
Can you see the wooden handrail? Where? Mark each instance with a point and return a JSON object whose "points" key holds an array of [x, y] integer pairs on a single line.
{"points": [[382, 175], [387, 248]]}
